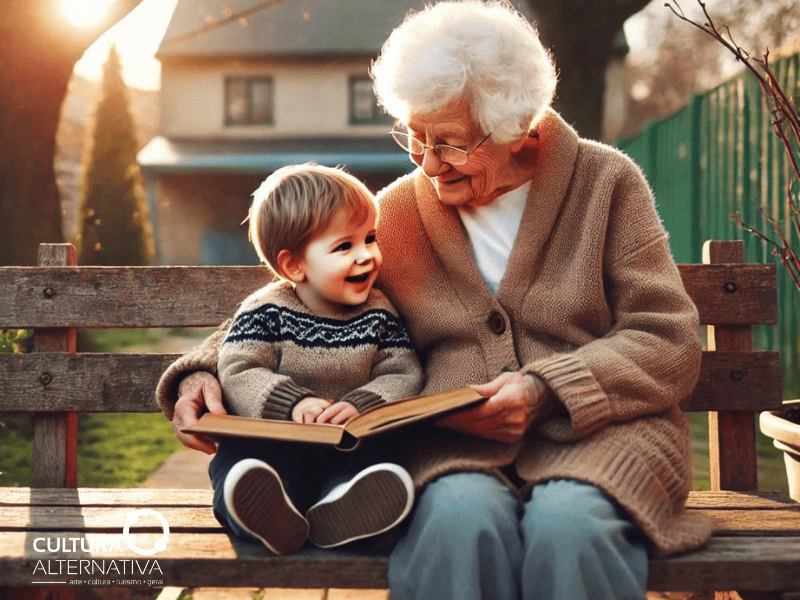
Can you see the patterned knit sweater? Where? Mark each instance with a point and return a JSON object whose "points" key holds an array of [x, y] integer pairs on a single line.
{"points": [[591, 302], [277, 352]]}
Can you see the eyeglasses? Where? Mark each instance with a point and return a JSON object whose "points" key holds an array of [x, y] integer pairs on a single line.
{"points": [[449, 154]]}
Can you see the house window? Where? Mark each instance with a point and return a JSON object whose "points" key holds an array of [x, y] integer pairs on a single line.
{"points": [[248, 101], [364, 109]]}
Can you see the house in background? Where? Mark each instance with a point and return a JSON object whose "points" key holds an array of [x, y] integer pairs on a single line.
{"points": [[286, 84]]}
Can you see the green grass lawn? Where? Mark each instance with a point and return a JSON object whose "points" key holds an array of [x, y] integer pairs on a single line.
{"points": [[114, 449], [122, 449], [771, 470]]}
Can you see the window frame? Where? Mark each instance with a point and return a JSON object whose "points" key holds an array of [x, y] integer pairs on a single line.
{"points": [[249, 82], [378, 117]]}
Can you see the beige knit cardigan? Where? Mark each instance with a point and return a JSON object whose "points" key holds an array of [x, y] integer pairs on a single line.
{"points": [[591, 302]]}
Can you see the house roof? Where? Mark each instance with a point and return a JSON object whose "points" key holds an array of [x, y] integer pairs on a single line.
{"points": [[364, 155], [287, 27]]}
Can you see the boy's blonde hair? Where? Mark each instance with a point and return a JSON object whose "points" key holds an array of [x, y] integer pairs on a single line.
{"points": [[297, 202]]}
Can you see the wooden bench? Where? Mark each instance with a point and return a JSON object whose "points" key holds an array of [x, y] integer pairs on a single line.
{"points": [[755, 550]]}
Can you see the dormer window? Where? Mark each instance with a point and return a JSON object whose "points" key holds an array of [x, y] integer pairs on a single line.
{"points": [[249, 101], [364, 109]]}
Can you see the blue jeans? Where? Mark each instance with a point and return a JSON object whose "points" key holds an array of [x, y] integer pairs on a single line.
{"points": [[470, 538]]}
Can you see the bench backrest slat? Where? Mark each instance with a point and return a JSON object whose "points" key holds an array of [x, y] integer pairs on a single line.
{"points": [[81, 382], [733, 294], [109, 297], [125, 382]]}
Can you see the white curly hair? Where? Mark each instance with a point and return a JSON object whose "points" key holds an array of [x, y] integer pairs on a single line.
{"points": [[485, 51]]}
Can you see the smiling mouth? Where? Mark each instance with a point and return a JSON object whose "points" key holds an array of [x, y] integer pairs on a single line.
{"points": [[358, 278], [451, 181]]}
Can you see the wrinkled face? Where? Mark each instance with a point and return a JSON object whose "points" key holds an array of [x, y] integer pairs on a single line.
{"points": [[340, 264], [488, 172]]}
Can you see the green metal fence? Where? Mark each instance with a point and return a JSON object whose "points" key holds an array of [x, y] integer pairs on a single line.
{"points": [[718, 156]]}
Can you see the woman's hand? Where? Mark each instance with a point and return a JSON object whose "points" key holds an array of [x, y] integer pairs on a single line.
{"points": [[197, 392], [337, 413], [515, 401], [308, 409]]}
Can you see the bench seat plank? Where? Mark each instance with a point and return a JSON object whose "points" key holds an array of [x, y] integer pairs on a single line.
{"points": [[137, 497], [753, 500], [108, 519], [197, 544], [199, 520], [755, 564], [740, 563], [190, 560], [755, 522], [105, 510]]}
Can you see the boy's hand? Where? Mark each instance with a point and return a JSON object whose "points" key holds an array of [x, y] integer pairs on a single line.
{"points": [[337, 413], [308, 409]]}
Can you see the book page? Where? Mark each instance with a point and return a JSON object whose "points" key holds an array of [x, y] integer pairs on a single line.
{"points": [[230, 425], [409, 410]]}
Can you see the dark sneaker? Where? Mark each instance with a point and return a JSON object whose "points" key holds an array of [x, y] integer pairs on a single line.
{"points": [[256, 500], [374, 501]]}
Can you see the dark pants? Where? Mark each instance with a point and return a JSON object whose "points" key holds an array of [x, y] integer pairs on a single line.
{"points": [[308, 471]]}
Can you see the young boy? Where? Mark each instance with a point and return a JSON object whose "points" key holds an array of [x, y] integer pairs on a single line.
{"points": [[319, 345]]}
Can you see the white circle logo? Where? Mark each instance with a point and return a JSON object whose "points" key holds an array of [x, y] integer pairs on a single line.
{"points": [[133, 518]]}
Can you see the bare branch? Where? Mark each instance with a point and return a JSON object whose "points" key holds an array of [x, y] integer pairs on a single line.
{"points": [[710, 28], [785, 124]]}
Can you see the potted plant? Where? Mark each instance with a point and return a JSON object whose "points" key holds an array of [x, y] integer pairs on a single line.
{"points": [[784, 425], [784, 428]]}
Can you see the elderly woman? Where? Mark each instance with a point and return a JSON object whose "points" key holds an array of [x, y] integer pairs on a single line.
{"points": [[533, 263]]}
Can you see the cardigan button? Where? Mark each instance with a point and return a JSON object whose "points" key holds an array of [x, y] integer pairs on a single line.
{"points": [[497, 323]]}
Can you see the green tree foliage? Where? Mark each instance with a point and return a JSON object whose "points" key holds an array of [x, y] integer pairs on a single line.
{"points": [[115, 228], [14, 340]]}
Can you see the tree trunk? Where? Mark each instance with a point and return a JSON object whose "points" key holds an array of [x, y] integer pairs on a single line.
{"points": [[38, 51], [581, 36], [581, 89], [33, 82]]}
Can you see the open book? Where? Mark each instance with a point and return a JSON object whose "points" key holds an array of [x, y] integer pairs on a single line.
{"points": [[345, 437]]}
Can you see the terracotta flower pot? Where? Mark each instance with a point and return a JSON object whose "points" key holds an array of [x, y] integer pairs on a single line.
{"points": [[784, 428]]}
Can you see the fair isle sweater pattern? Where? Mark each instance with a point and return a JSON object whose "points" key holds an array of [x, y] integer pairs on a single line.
{"points": [[277, 352], [271, 323]]}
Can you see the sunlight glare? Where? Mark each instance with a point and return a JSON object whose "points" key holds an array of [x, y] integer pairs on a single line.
{"points": [[85, 13]]}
